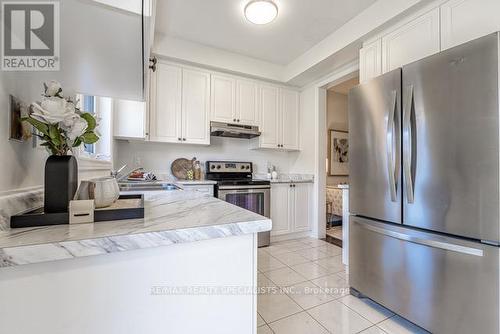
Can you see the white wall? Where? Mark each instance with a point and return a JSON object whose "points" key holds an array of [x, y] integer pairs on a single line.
{"points": [[22, 165], [336, 119], [159, 156]]}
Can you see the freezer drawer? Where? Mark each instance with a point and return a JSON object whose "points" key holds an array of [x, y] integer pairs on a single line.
{"points": [[442, 284]]}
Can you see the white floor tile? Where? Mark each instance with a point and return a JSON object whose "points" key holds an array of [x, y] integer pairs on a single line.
{"points": [[264, 330], [398, 325], [260, 321], [331, 250], [273, 307], [285, 276], [312, 254], [333, 284], [338, 318], [333, 264], [373, 330], [263, 281], [291, 259], [367, 308], [314, 242], [308, 295], [267, 262], [300, 323], [311, 270], [277, 249]]}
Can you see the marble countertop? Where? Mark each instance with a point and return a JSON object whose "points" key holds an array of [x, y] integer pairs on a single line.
{"points": [[194, 182], [288, 178], [170, 218]]}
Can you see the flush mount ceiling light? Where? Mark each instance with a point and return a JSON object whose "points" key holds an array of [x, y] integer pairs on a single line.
{"points": [[261, 11]]}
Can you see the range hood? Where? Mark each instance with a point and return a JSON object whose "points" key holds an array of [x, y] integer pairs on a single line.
{"points": [[218, 129]]}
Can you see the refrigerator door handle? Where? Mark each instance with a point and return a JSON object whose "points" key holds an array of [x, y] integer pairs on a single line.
{"points": [[408, 144], [426, 242], [392, 151]]}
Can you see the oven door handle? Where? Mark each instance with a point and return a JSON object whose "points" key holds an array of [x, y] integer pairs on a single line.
{"points": [[240, 189]]}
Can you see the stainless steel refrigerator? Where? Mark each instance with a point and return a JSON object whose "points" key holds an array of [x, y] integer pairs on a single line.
{"points": [[424, 190]]}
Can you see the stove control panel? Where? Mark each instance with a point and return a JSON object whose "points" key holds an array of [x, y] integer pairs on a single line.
{"points": [[229, 167]]}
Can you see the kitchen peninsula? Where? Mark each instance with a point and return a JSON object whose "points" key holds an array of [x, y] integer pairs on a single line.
{"points": [[178, 269]]}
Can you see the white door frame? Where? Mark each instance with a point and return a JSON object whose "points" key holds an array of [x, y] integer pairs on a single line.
{"points": [[342, 74]]}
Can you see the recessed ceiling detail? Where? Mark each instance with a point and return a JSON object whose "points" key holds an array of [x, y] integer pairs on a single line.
{"points": [[221, 24], [261, 11]]}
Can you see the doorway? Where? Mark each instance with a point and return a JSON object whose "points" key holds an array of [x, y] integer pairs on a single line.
{"points": [[337, 158]]}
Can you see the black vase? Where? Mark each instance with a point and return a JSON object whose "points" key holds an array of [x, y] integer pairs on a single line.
{"points": [[61, 182]]}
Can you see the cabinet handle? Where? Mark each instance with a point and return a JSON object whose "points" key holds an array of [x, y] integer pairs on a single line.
{"points": [[179, 139], [183, 139], [234, 119]]}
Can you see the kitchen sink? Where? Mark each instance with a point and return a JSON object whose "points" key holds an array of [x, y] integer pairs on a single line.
{"points": [[147, 186]]}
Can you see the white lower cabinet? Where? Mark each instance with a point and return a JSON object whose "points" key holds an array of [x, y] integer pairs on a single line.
{"points": [[465, 20], [180, 105], [290, 207]]}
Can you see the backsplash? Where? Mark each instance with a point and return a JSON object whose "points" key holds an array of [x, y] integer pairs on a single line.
{"points": [[158, 156]]}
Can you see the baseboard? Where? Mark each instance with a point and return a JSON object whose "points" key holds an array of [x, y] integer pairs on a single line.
{"points": [[290, 236]]}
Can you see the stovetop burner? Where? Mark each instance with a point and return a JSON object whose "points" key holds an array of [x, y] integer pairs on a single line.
{"points": [[232, 173]]}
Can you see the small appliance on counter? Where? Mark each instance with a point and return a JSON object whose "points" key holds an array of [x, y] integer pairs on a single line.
{"points": [[235, 185]]}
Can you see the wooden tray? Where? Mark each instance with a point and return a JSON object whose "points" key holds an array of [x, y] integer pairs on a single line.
{"points": [[126, 207], [180, 167]]}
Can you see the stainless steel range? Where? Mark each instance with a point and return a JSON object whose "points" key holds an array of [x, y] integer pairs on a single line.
{"points": [[236, 186]]}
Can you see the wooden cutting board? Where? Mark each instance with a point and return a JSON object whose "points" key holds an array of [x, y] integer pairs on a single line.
{"points": [[180, 167]]}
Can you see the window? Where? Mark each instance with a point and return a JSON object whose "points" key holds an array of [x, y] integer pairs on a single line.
{"points": [[88, 105], [101, 108]]}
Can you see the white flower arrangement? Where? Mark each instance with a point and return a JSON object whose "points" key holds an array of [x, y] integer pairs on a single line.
{"points": [[61, 124]]}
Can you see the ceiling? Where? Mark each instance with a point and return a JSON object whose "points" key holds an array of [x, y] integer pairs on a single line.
{"points": [[221, 24], [345, 87]]}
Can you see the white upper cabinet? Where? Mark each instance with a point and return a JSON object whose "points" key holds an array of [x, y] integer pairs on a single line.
{"points": [[223, 102], [234, 100], [289, 119], [465, 20], [180, 105], [370, 61], [302, 207], [195, 107], [129, 119], [269, 116], [279, 118], [165, 104], [413, 41], [247, 111]]}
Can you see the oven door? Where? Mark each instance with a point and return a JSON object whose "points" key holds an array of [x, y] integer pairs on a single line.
{"points": [[255, 199]]}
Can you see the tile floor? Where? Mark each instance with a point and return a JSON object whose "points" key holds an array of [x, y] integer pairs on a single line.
{"points": [[304, 290], [335, 232]]}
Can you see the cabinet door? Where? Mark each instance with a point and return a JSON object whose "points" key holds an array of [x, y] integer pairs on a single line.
{"points": [[129, 119], [165, 107], [223, 99], [370, 61], [413, 41], [280, 207], [301, 207], [289, 119], [269, 116], [246, 102], [195, 107], [465, 20]]}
